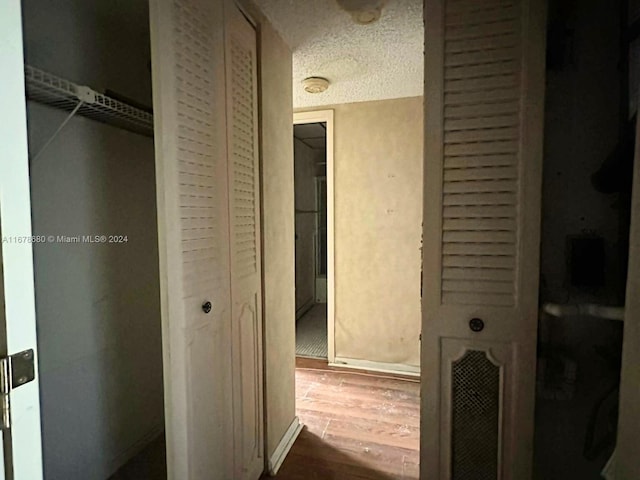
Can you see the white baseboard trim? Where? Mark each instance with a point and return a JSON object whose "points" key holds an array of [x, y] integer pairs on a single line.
{"points": [[281, 451], [397, 368], [306, 306]]}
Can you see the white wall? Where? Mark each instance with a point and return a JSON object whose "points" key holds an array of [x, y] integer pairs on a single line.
{"points": [[97, 305], [100, 43], [305, 201]]}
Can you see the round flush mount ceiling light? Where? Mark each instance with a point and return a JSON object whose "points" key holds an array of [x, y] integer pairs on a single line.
{"points": [[315, 84], [367, 17], [363, 12]]}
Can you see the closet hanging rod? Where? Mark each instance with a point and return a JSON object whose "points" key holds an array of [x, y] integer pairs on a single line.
{"points": [[58, 92]]}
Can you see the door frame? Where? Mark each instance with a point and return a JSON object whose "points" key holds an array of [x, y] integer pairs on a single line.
{"points": [[21, 445], [625, 463], [326, 116], [317, 206]]}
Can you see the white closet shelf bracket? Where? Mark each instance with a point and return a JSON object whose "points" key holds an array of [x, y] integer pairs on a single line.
{"points": [[58, 92]]}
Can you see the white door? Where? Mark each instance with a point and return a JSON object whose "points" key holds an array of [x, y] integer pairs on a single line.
{"points": [[484, 105], [22, 454], [627, 457], [244, 223], [205, 110], [187, 41]]}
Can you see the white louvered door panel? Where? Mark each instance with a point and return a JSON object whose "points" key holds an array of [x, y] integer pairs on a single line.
{"points": [[187, 38], [484, 103], [244, 222]]}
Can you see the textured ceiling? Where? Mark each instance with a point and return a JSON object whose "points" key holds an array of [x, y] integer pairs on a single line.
{"points": [[363, 62]]}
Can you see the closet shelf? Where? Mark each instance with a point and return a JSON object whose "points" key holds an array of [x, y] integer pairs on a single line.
{"points": [[57, 92]]}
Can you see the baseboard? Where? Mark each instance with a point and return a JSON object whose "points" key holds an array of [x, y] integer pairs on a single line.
{"points": [[401, 368], [306, 306], [281, 451]]}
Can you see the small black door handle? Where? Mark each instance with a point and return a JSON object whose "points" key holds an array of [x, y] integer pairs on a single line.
{"points": [[206, 307], [476, 324]]}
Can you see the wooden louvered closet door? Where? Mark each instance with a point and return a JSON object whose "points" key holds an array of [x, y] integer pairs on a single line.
{"points": [[205, 110], [484, 103], [244, 236]]}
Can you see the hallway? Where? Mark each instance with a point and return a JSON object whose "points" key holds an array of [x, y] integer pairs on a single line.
{"points": [[311, 333]]}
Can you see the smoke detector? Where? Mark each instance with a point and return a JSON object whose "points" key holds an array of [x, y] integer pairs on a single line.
{"points": [[363, 12], [315, 84]]}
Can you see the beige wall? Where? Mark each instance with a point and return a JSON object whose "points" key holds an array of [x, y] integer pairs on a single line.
{"points": [[378, 217], [278, 235], [305, 202]]}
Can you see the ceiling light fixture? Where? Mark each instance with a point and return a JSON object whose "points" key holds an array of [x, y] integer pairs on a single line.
{"points": [[315, 84], [363, 12]]}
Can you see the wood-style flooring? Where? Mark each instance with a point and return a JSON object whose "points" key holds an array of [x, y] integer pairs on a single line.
{"points": [[357, 426]]}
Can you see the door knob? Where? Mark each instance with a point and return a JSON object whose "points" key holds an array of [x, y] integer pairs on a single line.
{"points": [[476, 324], [206, 307]]}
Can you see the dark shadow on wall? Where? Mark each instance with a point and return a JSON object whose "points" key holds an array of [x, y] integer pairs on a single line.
{"points": [[583, 253]]}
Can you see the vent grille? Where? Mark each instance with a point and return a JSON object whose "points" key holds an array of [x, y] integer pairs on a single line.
{"points": [[196, 146], [481, 152], [243, 157], [475, 418]]}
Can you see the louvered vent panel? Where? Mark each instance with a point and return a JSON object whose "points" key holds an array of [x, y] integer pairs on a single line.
{"points": [[243, 159], [196, 145], [475, 417], [481, 152]]}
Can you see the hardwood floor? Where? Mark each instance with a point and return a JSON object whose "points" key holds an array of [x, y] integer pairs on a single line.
{"points": [[357, 426]]}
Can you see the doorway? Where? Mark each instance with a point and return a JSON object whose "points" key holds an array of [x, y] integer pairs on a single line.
{"points": [[313, 186]]}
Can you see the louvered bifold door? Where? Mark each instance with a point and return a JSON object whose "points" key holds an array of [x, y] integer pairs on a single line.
{"points": [[484, 89], [187, 40], [244, 234]]}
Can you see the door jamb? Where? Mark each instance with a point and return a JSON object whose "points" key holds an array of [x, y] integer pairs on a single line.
{"points": [[326, 116], [622, 461]]}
